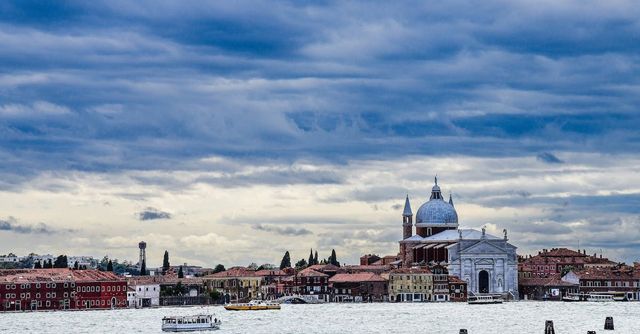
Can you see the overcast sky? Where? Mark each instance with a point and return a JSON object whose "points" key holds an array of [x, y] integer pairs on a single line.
{"points": [[230, 132]]}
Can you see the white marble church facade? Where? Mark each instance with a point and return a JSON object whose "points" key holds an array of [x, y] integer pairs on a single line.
{"points": [[487, 263]]}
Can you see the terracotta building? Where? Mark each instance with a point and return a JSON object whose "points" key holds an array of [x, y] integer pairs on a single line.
{"points": [[60, 289], [313, 283], [621, 279], [361, 287]]}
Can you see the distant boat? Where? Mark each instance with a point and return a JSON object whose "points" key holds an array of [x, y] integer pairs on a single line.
{"points": [[193, 323], [484, 299], [594, 297], [571, 298], [254, 305]]}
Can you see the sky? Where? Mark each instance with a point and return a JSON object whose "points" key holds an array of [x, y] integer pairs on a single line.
{"points": [[231, 132]]}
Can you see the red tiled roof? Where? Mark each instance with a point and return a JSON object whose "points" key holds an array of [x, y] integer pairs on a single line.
{"points": [[266, 272], [56, 274], [414, 270], [609, 273], [552, 281], [324, 267], [456, 280], [311, 273], [562, 252], [234, 272], [359, 277]]}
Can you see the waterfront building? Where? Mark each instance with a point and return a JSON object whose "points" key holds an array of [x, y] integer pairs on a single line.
{"points": [[457, 289], [98, 289], [621, 278], [557, 261], [275, 283], [487, 263], [237, 284], [360, 287], [146, 291], [313, 283], [411, 285], [551, 287], [60, 289]]}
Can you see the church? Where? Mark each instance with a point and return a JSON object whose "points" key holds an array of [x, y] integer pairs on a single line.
{"points": [[487, 263]]}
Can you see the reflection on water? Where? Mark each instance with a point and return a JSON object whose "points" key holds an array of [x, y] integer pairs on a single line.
{"points": [[518, 317]]}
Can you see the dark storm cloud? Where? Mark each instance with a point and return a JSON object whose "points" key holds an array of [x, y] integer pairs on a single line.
{"points": [[327, 80], [548, 158], [153, 214], [286, 231], [11, 224]]}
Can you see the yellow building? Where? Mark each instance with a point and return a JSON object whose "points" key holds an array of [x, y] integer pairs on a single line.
{"points": [[237, 284], [410, 285]]}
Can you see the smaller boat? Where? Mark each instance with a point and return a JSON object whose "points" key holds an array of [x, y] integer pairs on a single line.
{"points": [[190, 323], [254, 305], [571, 298], [484, 299], [593, 297]]}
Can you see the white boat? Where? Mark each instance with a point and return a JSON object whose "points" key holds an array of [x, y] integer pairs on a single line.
{"points": [[190, 323], [593, 297], [484, 299], [571, 298]]}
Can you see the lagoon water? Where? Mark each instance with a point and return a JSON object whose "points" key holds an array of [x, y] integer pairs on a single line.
{"points": [[431, 318]]}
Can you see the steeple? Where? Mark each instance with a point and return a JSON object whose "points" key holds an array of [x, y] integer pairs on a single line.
{"points": [[435, 191], [407, 208], [450, 199], [407, 220]]}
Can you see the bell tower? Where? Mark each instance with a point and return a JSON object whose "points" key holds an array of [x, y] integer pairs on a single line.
{"points": [[407, 220]]}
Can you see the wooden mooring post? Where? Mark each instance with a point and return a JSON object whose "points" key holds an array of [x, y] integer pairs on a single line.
{"points": [[608, 324], [548, 327]]}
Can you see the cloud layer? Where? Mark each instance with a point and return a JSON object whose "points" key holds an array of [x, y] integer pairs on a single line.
{"points": [[323, 114]]}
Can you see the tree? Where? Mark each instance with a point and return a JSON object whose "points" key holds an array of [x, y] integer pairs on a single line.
{"points": [[180, 273], [110, 266], [286, 261], [219, 268], [333, 259], [165, 262], [61, 262], [49, 264], [315, 258], [143, 268], [301, 264], [37, 265], [76, 266], [215, 295], [310, 262]]}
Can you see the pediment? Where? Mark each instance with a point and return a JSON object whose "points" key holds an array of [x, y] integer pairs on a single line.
{"points": [[484, 247]]}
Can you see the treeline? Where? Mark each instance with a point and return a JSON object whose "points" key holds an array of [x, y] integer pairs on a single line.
{"points": [[312, 260]]}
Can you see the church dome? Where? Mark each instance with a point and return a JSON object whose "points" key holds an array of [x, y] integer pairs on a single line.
{"points": [[437, 212]]}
